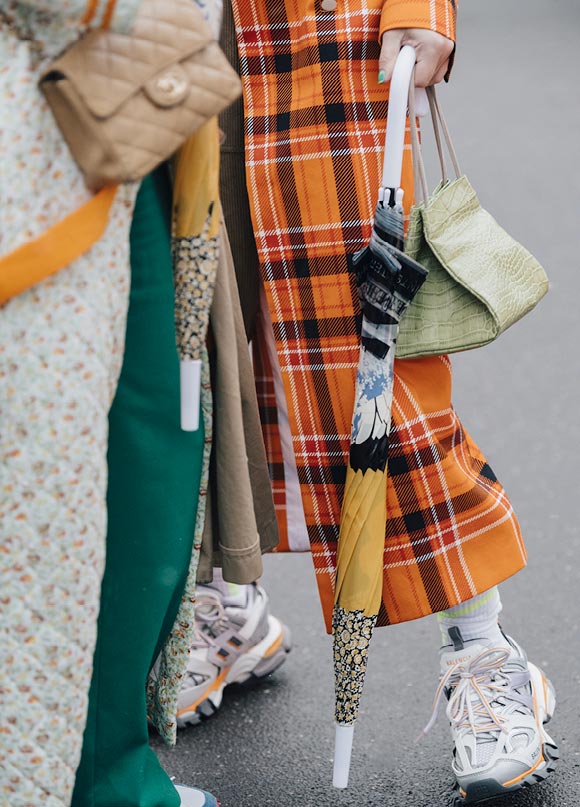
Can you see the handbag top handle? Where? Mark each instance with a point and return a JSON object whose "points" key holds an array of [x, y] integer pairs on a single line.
{"points": [[439, 124], [400, 100]]}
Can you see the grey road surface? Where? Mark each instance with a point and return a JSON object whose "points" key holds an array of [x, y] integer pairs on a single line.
{"points": [[514, 106]]}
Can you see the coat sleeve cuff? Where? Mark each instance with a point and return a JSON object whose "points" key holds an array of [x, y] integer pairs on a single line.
{"points": [[435, 15]]}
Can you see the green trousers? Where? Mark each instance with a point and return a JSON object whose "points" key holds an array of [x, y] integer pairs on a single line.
{"points": [[154, 476]]}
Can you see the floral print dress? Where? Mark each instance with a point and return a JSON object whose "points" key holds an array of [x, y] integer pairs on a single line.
{"points": [[61, 348]]}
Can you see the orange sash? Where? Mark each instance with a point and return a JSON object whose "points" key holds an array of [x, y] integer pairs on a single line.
{"points": [[57, 247]]}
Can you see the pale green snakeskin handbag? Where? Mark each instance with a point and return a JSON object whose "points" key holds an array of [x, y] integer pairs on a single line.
{"points": [[481, 281]]}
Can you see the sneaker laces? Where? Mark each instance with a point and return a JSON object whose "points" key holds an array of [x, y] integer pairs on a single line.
{"points": [[483, 694], [211, 620]]}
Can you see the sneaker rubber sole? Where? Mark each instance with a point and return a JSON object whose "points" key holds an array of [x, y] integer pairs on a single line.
{"points": [[193, 797], [258, 662], [488, 789]]}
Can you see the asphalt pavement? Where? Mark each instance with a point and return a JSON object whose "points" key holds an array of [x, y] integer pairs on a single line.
{"points": [[514, 109]]}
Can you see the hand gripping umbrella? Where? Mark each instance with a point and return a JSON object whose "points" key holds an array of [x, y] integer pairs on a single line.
{"points": [[387, 281]]}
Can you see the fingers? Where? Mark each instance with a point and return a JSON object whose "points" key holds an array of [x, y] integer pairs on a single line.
{"points": [[390, 47], [431, 67], [426, 75], [423, 71], [433, 51], [441, 73]]}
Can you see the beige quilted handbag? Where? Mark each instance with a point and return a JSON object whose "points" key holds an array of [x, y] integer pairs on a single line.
{"points": [[481, 281], [125, 103]]}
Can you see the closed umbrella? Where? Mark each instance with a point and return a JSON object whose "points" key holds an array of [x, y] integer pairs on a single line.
{"points": [[387, 281], [195, 258]]}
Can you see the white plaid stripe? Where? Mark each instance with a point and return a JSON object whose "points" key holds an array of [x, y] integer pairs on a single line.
{"points": [[439, 532], [433, 15], [294, 389], [443, 550], [303, 257], [342, 24]]}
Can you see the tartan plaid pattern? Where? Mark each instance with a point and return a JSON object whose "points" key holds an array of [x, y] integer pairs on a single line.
{"points": [[315, 121], [436, 15], [266, 393]]}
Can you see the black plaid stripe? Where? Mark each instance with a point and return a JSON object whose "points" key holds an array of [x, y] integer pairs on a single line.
{"points": [[319, 124]]}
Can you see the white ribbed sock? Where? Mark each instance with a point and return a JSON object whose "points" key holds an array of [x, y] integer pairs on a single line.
{"points": [[475, 618], [230, 593]]}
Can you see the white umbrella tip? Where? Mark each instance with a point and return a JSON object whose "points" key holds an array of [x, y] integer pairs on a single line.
{"points": [[342, 753]]}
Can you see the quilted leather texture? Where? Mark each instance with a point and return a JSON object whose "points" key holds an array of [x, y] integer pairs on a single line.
{"points": [[66, 336], [115, 85], [481, 281]]}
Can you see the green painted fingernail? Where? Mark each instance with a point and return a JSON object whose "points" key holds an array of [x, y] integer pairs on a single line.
{"points": [[381, 76]]}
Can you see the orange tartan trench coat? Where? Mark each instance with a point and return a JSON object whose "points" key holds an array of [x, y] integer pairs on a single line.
{"points": [[314, 126]]}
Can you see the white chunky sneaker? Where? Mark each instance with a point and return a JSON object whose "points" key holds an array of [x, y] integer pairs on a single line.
{"points": [[235, 641], [192, 797], [498, 705]]}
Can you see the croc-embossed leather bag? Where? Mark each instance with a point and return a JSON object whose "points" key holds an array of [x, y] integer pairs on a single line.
{"points": [[480, 282], [125, 103]]}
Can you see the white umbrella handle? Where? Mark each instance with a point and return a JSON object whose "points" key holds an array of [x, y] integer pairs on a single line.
{"points": [[397, 119], [190, 393]]}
